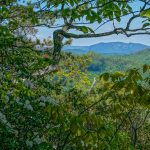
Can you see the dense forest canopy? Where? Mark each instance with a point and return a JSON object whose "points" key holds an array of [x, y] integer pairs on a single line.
{"points": [[111, 63], [46, 107]]}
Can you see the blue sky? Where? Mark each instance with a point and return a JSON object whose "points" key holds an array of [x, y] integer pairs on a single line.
{"points": [[144, 39]]}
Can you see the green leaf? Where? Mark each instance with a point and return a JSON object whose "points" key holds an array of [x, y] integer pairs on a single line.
{"points": [[146, 68], [146, 25], [146, 13], [85, 29], [105, 76]]}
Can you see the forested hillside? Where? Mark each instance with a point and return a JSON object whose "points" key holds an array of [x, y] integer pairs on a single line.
{"points": [[111, 63]]}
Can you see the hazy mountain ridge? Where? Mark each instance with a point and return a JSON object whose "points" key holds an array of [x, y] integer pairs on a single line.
{"points": [[119, 48]]}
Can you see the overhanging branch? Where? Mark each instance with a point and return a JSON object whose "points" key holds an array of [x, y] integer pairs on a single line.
{"points": [[126, 32]]}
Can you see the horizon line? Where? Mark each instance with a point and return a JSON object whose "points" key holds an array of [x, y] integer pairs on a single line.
{"points": [[112, 42]]}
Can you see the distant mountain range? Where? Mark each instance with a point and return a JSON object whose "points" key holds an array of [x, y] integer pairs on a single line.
{"points": [[117, 48]]}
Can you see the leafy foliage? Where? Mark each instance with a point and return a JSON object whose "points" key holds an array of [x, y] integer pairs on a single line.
{"points": [[57, 111], [112, 63], [61, 110]]}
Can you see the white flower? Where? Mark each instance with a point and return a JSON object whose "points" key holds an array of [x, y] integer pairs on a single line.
{"points": [[28, 83], [29, 143], [4, 120], [38, 140], [18, 101], [42, 104], [47, 126], [28, 105]]}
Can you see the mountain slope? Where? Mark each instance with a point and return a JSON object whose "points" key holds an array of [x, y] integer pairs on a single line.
{"points": [[109, 63], [119, 48]]}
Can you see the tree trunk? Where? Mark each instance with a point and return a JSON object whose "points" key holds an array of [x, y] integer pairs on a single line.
{"points": [[134, 135], [58, 44], [57, 38]]}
